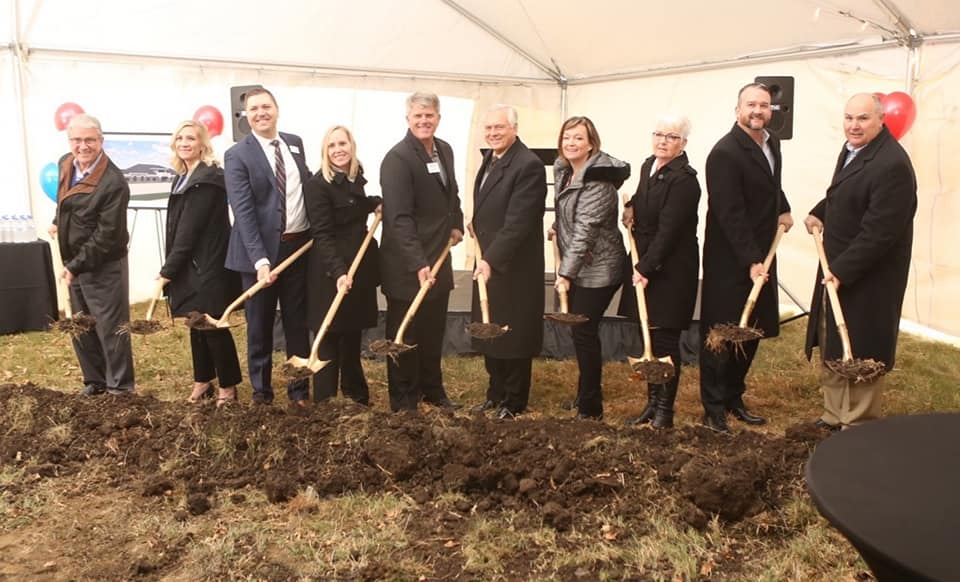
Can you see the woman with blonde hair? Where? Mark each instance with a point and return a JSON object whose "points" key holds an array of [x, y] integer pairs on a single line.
{"points": [[337, 208], [198, 228]]}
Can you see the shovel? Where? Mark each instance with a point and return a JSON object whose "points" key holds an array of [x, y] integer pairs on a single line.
{"points": [[849, 367], [653, 370], [485, 330], [71, 324], [203, 321], [147, 326], [385, 347], [564, 317], [297, 366], [737, 334]]}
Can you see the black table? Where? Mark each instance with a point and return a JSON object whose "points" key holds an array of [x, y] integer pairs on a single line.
{"points": [[28, 291], [892, 487]]}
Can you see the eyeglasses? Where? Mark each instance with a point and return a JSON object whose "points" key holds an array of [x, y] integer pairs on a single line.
{"points": [[83, 140], [670, 137]]}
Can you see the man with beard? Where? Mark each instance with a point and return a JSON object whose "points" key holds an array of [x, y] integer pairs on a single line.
{"points": [[421, 212], [867, 222], [508, 204], [745, 204]]}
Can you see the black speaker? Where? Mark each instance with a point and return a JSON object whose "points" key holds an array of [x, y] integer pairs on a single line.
{"points": [[781, 93], [238, 95]]}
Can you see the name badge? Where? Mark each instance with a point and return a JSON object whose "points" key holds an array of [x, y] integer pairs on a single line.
{"points": [[294, 149], [433, 168]]}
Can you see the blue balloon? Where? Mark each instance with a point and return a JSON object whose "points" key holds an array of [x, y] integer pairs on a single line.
{"points": [[49, 179]]}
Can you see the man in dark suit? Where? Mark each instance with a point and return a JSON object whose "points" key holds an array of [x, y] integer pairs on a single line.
{"points": [[91, 221], [508, 202], [421, 212], [867, 222], [745, 204], [264, 174]]}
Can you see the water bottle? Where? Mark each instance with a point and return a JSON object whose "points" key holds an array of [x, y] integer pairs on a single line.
{"points": [[27, 231], [6, 232]]}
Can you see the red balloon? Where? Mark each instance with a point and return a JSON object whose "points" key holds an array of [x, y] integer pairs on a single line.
{"points": [[64, 113], [899, 113], [211, 118]]}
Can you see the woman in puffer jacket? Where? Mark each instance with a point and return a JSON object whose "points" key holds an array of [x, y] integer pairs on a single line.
{"points": [[591, 247]]}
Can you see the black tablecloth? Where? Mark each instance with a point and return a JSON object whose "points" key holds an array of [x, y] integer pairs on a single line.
{"points": [[28, 292], [892, 487]]}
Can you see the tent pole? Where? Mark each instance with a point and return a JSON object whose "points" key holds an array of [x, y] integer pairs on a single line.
{"points": [[563, 99], [19, 56]]}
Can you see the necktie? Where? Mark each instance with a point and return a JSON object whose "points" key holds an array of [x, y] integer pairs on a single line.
{"points": [[281, 170], [850, 155]]}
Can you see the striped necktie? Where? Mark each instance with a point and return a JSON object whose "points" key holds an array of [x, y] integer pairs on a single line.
{"points": [[281, 170]]}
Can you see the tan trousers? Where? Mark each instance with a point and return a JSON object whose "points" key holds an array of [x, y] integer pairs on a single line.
{"points": [[845, 403]]}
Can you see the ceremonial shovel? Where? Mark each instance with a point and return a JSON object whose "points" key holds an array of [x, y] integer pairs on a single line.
{"points": [[849, 367], [485, 330], [564, 317], [71, 324], [653, 370], [737, 334], [203, 321], [297, 366], [385, 347], [147, 326]]}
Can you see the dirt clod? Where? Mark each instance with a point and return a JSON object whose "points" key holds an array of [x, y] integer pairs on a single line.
{"points": [[79, 324], [723, 333], [485, 331]]}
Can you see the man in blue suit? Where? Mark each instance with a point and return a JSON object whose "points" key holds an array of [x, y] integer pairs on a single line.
{"points": [[264, 173]]}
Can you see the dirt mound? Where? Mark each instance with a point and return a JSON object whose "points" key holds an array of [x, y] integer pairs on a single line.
{"points": [[556, 471]]}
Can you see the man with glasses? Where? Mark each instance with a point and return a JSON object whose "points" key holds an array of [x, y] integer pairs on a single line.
{"points": [[745, 205], [91, 221]]}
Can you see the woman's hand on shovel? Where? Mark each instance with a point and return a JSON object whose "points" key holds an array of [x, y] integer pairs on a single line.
{"points": [[344, 281], [639, 279], [483, 268]]}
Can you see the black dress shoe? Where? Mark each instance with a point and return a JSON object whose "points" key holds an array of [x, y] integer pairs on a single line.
{"points": [[93, 390], [743, 415], [585, 416], [445, 404], [716, 423], [822, 424], [504, 413], [487, 405]]}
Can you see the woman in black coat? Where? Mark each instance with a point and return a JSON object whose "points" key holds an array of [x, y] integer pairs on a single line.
{"points": [[198, 228], [662, 217], [337, 208]]}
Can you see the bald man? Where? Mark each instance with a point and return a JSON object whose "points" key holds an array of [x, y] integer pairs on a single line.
{"points": [[867, 221]]}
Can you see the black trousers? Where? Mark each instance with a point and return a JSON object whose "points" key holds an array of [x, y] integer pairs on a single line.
{"points": [[509, 382], [415, 374], [722, 374], [290, 289], [215, 356], [105, 356], [345, 371], [592, 302]]}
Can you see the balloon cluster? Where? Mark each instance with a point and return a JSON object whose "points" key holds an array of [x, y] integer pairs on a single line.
{"points": [[208, 115], [899, 112]]}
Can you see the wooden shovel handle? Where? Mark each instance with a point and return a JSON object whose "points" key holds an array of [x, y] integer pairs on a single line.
{"points": [[482, 287], [63, 291], [759, 281], [341, 293], [157, 291], [564, 301], [424, 288], [256, 287], [641, 301], [832, 294]]}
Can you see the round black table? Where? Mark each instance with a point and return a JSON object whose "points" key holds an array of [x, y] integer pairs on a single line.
{"points": [[892, 487]]}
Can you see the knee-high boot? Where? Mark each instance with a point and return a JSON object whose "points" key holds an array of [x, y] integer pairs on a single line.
{"points": [[653, 395], [663, 415]]}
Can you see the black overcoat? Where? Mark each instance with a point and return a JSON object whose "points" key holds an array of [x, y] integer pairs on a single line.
{"points": [[867, 218], [198, 231], [419, 213], [508, 222], [338, 212], [665, 228], [744, 200]]}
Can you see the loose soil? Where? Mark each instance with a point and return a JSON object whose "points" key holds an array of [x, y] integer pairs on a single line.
{"points": [[557, 472]]}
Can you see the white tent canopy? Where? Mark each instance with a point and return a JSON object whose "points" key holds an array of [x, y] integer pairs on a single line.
{"points": [[143, 66]]}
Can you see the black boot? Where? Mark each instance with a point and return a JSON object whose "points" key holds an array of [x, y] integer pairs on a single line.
{"points": [[663, 415], [653, 393]]}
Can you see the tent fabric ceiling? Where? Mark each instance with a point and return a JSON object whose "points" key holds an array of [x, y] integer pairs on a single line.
{"points": [[505, 40]]}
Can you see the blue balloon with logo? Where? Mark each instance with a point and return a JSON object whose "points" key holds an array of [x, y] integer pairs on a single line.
{"points": [[49, 179]]}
